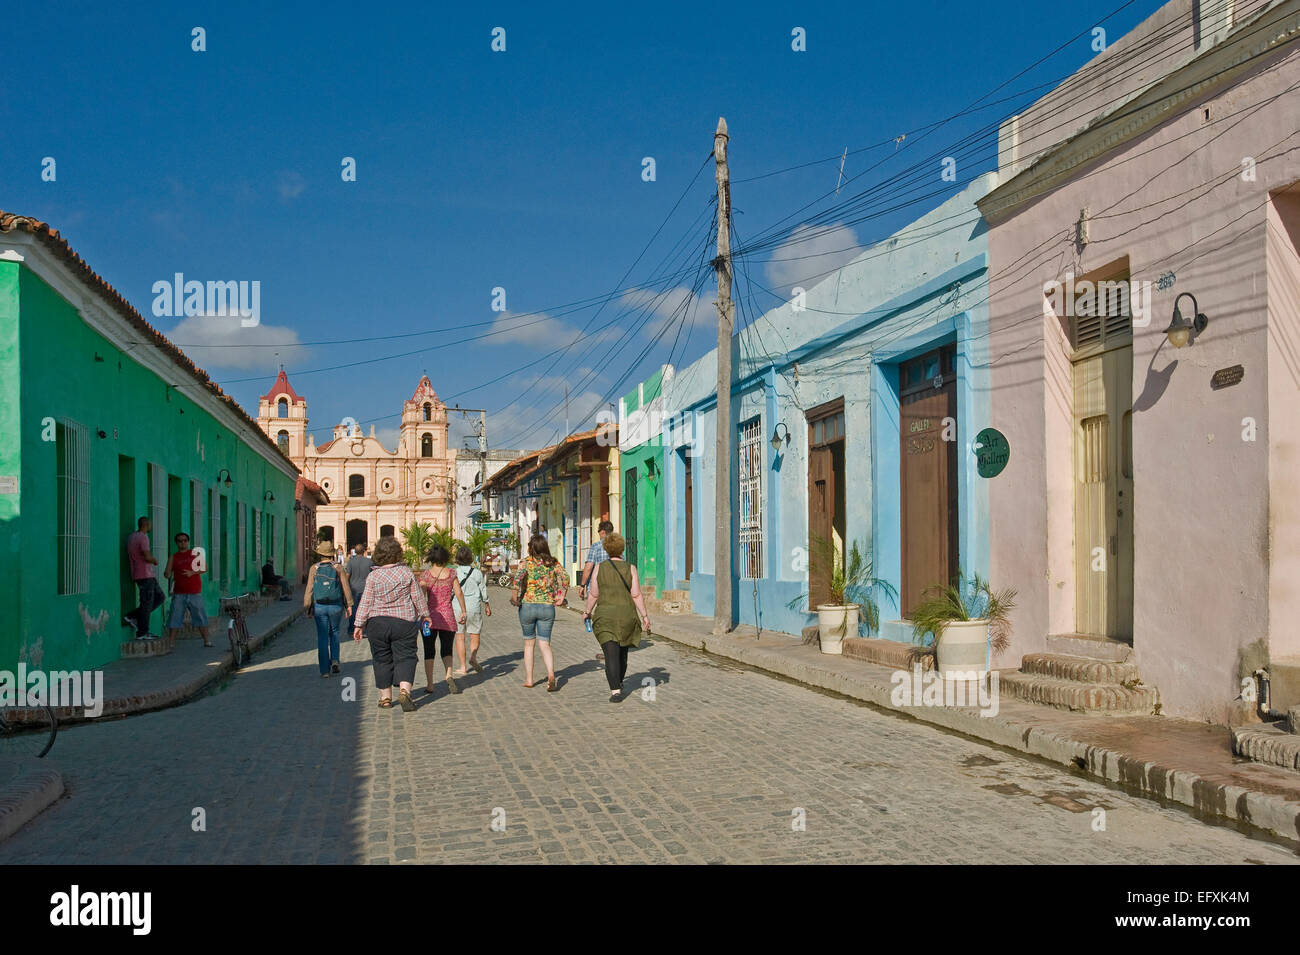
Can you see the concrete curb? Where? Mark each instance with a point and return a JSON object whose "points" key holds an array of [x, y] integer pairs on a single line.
{"points": [[1274, 814], [178, 693], [35, 786]]}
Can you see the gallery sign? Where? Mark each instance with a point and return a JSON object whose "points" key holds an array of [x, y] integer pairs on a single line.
{"points": [[992, 451]]}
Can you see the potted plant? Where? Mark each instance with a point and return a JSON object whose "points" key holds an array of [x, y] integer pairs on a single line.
{"points": [[852, 586], [969, 621]]}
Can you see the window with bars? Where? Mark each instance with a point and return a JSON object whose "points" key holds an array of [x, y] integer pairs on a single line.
{"points": [[196, 514], [214, 534], [259, 558], [750, 454], [241, 512], [159, 545], [73, 478]]}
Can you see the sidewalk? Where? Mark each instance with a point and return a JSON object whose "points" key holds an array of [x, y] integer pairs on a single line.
{"points": [[1177, 760], [154, 683]]}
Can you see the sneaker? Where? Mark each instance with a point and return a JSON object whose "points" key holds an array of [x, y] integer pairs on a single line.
{"points": [[128, 622]]}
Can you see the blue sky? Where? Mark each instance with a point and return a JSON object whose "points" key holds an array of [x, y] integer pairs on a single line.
{"points": [[479, 170]]}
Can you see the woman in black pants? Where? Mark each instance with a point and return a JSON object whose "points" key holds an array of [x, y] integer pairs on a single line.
{"points": [[617, 612], [392, 608]]}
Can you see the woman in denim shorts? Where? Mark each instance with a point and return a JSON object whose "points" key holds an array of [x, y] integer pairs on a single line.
{"points": [[540, 586]]}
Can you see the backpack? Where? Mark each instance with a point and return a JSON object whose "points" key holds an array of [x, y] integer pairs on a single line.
{"points": [[325, 587]]}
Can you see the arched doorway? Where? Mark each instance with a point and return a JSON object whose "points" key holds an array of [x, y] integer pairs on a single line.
{"points": [[387, 530], [357, 533]]}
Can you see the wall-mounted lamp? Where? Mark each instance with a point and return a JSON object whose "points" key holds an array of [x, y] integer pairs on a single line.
{"points": [[226, 472], [269, 496], [1182, 332], [776, 436]]}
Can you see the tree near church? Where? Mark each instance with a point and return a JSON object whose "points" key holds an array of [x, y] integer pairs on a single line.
{"points": [[418, 538]]}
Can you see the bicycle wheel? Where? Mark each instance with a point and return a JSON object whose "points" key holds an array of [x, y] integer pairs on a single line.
{"points": [[27, 731], [236, 650]]}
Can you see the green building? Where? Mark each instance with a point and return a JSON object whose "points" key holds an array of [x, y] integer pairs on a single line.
{"points": [[641, 461], [104, 421]]}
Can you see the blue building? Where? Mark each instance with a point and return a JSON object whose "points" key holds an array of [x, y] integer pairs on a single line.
{"points": [[874, 382]]}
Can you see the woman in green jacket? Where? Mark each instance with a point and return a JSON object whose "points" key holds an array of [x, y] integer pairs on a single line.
{"points": [[617, 612]]}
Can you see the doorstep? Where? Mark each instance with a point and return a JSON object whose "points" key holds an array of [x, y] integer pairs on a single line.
{"points": [[1179, 760], [140, 684]]}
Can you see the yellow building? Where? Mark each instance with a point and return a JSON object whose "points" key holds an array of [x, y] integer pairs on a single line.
{"points": [[373, 491]]}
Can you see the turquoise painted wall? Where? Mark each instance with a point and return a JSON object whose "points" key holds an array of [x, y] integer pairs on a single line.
{"points": [[144, 421]]}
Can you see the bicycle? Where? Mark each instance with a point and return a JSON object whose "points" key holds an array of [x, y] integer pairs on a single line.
{"points": [[237, 629], [27, 730]]}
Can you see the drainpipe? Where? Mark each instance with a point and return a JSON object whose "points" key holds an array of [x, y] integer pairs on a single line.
{"points": [[1265, 712]]}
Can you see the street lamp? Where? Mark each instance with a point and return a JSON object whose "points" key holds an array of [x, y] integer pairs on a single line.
{"points": [[776, 436], [226, 472], [1182, 332], [269, 496]]}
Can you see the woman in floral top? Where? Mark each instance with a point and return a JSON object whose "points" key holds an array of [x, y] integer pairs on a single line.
{"points": [[539, 587]]}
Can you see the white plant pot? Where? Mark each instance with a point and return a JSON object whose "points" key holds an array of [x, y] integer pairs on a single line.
{"points": [[963, 649], [833, 628]]}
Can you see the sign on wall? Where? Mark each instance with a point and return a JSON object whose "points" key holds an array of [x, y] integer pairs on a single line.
{"points": [[992, 451]]}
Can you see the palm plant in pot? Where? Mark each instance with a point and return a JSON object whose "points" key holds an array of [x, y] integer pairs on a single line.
{"points": [[852, 586], [969, 621]]}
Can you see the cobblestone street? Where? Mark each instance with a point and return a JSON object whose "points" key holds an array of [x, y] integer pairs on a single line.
{"points": [[714, 768]]}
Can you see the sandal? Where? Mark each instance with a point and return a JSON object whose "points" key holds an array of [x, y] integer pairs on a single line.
{"points": [[386, 704], [478, 667], [551, 685], [408, 705]]}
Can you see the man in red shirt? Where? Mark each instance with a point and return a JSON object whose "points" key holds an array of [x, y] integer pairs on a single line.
{"points": [[185, 571], [144, 569]]}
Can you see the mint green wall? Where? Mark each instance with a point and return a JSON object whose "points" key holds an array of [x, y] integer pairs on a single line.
{"points": [[10, 449], [650, 508], [58, 376]]}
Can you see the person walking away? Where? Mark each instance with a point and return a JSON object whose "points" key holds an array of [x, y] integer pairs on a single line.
{"points": [[390, 614], [617, 613], [537, 590], [440, 586], [144, 570], [596, 555], [186, 586], [327, 597], [473, 585], [358, 567]]}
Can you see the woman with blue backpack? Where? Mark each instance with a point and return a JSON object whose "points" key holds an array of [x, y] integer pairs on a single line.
{"points": [[327, 597]]}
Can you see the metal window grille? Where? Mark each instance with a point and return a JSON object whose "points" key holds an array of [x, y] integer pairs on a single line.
{"points": [[259, 558], [241, 511], [214, 534], [751, 499], [73, 475], [159, 545], [196, 514]]}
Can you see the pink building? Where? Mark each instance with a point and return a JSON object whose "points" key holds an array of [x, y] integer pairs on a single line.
{"points": [[1149, 511]]}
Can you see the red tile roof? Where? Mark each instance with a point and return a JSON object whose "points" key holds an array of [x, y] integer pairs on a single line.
{"points": [[55, 243]]}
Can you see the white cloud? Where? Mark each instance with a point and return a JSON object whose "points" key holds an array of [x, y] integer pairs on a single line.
{"points": [[532, 329], [216, 341], [388, 435], [810, 254], [667, 307], [290, 185], [528, 424]]}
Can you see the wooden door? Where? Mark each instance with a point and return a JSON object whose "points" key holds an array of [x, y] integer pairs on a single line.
{"points": [[1103, 493], [928, 479], [690, 520], [821, 514]]}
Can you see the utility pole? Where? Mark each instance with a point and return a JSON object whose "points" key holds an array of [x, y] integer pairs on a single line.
{"points": [[722, 496], [482, 444]]}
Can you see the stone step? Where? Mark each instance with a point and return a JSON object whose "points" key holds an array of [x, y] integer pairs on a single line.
{"points": [[676, 595], [1083, 645], [670, 607], [890, 653], [1267, 744], [1111, 698], [1079, 669]]}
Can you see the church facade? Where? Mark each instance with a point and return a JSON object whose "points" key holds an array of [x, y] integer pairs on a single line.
{"points": [[372, 491]]}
